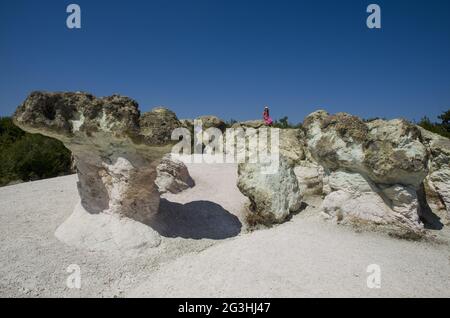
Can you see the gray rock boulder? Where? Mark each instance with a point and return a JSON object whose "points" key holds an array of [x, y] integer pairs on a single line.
{"points": [[357, 200], [437, 182], [173, 176], [386, 151], [372, 170], [272, 196]]}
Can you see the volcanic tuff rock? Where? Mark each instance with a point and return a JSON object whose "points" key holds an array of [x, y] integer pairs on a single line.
{"points": [[292, 146], [116, 151], [372, 170], [173, 175], [211, 122], [310, 178], [437, 183], [272, 196], [368, 172], [158, 124]]}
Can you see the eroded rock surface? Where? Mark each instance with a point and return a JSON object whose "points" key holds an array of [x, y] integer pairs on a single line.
{"points": [[437, 183], [157, 125], [116, 151], [292, 145], [173, 176], [372, 170], [249, 124], [272, 196], [368, 172], [310, 178], [211, 122], [187, 123]]}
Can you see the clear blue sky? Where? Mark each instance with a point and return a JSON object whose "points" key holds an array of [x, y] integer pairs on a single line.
{"points": [[230, 57]]}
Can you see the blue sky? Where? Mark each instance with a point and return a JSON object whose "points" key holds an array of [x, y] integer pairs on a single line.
{"points": [[230, 57]]}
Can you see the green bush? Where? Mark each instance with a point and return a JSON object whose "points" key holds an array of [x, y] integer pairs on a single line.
{"points": [[283, 123], [442, 128], [9, 132], [29, 157]]}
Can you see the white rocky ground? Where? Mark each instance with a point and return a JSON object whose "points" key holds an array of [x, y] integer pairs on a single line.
{"points": [[206, 250]]}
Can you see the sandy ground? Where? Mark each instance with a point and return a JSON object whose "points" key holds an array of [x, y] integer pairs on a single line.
{"points": [[207, 250]]}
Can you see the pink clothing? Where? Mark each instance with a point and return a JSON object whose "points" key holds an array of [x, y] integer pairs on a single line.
{"points": [[267, 119]]}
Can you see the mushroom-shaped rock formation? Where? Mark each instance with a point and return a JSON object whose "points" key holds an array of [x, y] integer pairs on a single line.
{"points": [[116, 151], [372, 170]]}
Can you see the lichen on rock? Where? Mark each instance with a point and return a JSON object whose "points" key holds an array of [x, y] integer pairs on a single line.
{"points": [[372, 170], [116, 150], [173, 176], [437, 182], [375, 172], [273, 197], [211, 122]]}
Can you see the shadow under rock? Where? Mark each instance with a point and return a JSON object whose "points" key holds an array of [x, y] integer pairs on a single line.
{"points": [[195, 220], [430, 220]]}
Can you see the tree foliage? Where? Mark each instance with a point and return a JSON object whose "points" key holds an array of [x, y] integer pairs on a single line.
{"points": [[284, 123], [27, 157], [442, 128]]}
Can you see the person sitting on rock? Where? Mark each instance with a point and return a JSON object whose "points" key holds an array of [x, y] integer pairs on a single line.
{"points": [[267, 119]]}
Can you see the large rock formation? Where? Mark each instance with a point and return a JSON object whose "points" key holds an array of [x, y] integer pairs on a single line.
{"points": [[292, 146], [158, 124], [116, 151], [372, 170], [437, 183], [368, 172], [272, 196]]}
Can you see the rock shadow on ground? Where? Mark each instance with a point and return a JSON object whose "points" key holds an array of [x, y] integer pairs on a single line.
{"points": [[195, 220]]}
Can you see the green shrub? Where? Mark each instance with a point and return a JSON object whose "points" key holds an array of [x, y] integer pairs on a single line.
{"points": [[29, 157], [442, 128], [9, 132], [284, 123]]}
